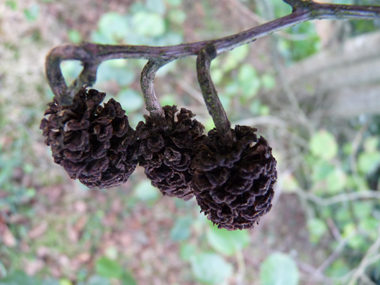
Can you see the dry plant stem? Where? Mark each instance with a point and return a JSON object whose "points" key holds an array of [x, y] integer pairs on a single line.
{"points": [[214, 106], [147, 86], [92, 55]]}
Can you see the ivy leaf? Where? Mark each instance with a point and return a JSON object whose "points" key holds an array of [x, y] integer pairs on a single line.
{"points": [[227, 242], [210, 268], [144, 191], [108, 268], [148, 24], [181, 229], [279, 269], [19, 277], [323, 144]]}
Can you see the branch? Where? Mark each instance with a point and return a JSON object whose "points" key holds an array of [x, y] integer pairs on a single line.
{"points": [[147, 86], [340, 198], [210, 96], [91, 55]]}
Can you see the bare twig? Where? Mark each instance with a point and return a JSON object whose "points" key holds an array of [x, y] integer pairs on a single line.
{"points": [[340, 198], [214, 106], [147, 86], [335, 254], [91, 55], [368, 259]]}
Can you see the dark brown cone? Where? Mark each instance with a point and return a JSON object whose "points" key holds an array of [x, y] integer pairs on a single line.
{"points": [[94, 144], [234, 187], [166, 150]]}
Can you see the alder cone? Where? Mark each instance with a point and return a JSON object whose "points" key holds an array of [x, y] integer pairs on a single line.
{"points": [[234, 185], [166, 150], [94, 144]]}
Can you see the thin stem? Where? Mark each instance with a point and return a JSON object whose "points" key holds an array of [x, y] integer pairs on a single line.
{"points": [[92, 55], [210, 96], [147, 86]]}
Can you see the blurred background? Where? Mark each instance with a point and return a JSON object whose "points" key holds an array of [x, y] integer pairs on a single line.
{"points": [[313, 91]]}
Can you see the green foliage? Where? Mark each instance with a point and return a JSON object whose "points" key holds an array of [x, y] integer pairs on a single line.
{"points": [[234, 58], [17, 278], [31, 14], [248, 80], [130, 100], [296, 50], [148, 24], [181, 229], [11, 4], [116, 70], [323, 145], [187, 251], [279, 269], [71, 69], [210, 268], [268, 81], [317, 228], [368, 162], [96, 280], [227, 242], [174, 3], [144, 191], [20, 278], [74, 36], [127, 279], [108, 268]]}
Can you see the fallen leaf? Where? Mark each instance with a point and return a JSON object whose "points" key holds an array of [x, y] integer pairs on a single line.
{"points": [[38, 230], [83, 257], [7, 236], [32, 267]]}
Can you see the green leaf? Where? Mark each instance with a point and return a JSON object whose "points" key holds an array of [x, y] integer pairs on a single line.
{"points": [[249, 81], [116, 69], [363, 209], [368, 162], [157, 6], [323, 144], [317, 228], [50, 281], [17, 278], [268, 81], [371, 144], [108, 268], [181, 229], [31, 14], [168, 99], [279, 269], [175, 3], [217, 75], [177, 16], [336, 181], [128, 279], [210, 268], [186, 251], [71, 69], [234, 57], [74, 36], [289, 183], [97, 280], [113, 27], [144, 191], [11, 4], [148, 24], [227, 242], [130, 100], [65, 282], [321, 170]]}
